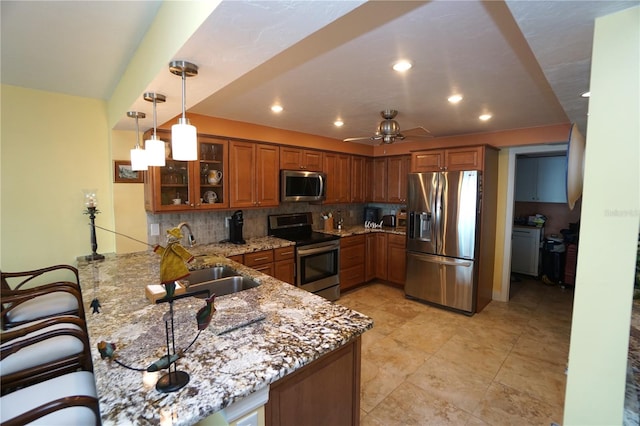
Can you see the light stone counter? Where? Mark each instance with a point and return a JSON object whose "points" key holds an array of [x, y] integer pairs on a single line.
{"points": [[360, 229], [298, 327]]}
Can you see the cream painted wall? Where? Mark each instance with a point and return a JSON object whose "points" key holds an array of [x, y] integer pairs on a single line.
{"points": [[53, 147], [608, 228], [501, 221], [128, 199]]}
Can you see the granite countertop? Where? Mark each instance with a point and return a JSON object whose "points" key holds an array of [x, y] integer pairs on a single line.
{"points": [[360, 229], [298, 328]]}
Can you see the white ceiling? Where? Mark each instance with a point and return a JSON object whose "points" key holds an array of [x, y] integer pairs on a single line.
{"points": [[525, 62]]}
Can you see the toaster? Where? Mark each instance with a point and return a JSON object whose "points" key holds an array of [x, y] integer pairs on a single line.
{"points": [[389, 220]]}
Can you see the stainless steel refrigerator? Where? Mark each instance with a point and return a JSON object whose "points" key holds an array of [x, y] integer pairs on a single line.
{"points": [[442, 238]]}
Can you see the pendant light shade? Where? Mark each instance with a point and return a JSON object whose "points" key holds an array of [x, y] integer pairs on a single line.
{"points": [[184, 138], [138, 154], [153, 145]]}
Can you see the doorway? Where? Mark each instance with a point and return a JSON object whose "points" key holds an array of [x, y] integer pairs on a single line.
{"points": [[510, 206]]}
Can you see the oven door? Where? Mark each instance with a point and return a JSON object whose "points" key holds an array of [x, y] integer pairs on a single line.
{"points": [[318, 266]]}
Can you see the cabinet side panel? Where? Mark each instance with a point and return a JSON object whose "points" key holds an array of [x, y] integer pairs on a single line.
{"points": [[488, 228]]}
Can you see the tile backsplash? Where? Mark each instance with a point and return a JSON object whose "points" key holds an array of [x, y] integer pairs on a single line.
{"points": [[209, 227]]}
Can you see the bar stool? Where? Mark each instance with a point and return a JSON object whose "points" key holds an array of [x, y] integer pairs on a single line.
{"points": [[48, 299], [35, 352], [70, 399]]}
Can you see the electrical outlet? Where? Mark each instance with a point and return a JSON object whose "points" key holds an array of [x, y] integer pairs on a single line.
{"points": [[226, 222], [155, 229]]}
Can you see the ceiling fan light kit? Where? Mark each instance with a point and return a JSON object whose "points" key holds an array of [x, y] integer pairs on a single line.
{"points": [[389, 130]]}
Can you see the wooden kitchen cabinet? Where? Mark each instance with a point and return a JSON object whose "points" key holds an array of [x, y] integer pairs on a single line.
{"points": [[397, 258], [300, 159], [260, 261], [541, 179], [378, 180], [337, 168], [397, 171], [254, 174], [359, 180], [237, 258], [370, 257], [352, 261], [381, 261], [284, 264], [325, 392], [188, 180], [453, 159]]}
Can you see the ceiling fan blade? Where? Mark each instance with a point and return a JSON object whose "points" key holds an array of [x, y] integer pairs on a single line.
{"points": [[356, 139], [417, 132]]}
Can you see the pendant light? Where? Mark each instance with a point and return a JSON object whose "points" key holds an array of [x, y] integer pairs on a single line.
{"points": [[184, 139], [138, 154], [153, 145]]}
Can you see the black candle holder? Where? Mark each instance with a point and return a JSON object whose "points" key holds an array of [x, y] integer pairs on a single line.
{"points": [[92, 212]]}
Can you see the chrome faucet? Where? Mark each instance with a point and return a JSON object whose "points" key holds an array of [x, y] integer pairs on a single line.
{"points": [[190, 238]]}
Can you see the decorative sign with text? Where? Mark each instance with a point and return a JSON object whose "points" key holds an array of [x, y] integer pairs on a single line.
{"points": [[372, 225]]}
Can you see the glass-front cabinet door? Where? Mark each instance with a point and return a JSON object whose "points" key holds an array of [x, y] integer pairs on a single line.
{"points": [[212, 189], [188, 185]]}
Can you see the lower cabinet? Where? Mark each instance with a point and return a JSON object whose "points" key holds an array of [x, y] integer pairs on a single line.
{"points": [[369, 261], [525, 250], [380, 256], [278, 263], [283, 264], [352, 264], [325, 392], [396, 258], [260, 261]]}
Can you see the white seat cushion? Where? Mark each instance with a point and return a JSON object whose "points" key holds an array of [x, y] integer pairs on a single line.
{"points": [[48, 350], [73, 384], [41, 306]]}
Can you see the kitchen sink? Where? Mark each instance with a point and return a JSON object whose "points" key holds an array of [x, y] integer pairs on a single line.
{"points": [[222, 286], [209, 274]]}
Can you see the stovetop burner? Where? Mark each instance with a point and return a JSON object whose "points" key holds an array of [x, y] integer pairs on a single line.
{"points": [[297, 227]]}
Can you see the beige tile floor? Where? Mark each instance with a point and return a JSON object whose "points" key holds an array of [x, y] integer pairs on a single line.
{"points": [[423, 365]]}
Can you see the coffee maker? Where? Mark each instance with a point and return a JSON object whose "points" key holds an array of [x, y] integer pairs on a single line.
{"points": [[235, 228]]}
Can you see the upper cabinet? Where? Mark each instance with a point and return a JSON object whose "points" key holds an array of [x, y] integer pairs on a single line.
{"points": [[359, 179], [254, 174], [188, 185], [454, 159], [378, 180], [397, 171], [300, 159], [338, 170], [541, 179]]}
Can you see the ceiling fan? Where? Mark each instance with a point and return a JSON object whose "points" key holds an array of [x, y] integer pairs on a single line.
{"points": [[389, 130]]}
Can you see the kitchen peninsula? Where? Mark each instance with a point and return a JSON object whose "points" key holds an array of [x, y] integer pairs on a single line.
{"points": [[293, 330]]}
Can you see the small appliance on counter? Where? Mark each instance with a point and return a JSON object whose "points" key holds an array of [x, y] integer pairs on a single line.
{"points": [[235, 228], [389, 221], [372, 214]]}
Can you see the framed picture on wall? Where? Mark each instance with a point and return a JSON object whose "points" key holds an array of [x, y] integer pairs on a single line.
{"points": [[122, 173]]}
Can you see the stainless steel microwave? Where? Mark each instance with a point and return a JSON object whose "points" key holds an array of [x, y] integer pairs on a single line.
{"points": [[297, 185]]}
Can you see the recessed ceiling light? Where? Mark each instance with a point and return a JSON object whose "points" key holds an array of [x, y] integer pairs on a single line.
{"points": [[585, 94], [485, 117], [276, 108], [338, 123], [402, 66], [454, 99]]}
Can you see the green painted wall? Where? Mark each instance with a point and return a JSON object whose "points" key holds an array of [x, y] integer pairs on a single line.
{"points": [[53, 146], [608, 228]]}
